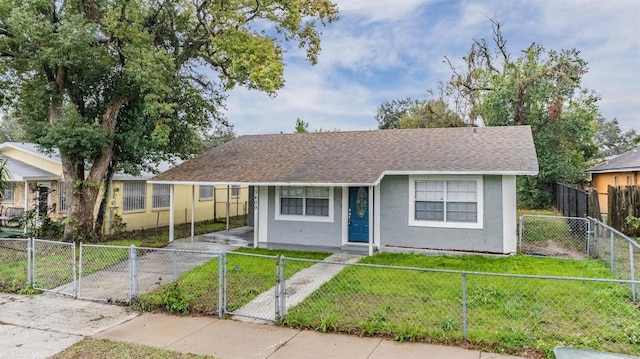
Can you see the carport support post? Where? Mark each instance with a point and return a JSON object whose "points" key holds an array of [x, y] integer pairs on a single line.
{"points": [[171, 213], [193, 211]]}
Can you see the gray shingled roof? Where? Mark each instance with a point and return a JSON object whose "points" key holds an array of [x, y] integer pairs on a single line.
{"points": [[628, 161], [360, 157]]}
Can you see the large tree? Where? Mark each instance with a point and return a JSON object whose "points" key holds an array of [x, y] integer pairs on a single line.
{"points": [[116, 84], [540, 88]]}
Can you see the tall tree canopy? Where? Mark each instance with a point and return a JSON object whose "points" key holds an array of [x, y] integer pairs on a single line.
{"points": [[121, 83], [541, 88]]}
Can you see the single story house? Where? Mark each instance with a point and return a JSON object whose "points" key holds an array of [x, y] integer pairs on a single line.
{"points": [[621, 170], [441, 188], [134, 201]]}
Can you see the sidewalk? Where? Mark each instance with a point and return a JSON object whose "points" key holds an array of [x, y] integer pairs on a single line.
{"points": [[227, 339]]}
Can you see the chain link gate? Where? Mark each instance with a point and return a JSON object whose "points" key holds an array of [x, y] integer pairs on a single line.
{"points": [[552, 236], [53, 266]]}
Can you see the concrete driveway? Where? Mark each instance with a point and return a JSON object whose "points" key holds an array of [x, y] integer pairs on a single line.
{"points": [[41, 326]]}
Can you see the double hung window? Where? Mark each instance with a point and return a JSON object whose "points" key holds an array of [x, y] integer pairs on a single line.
{"points": [[304, 203], [444, 202]]}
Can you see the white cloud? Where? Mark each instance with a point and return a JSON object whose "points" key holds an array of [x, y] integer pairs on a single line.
{"points": [[382, 50]]}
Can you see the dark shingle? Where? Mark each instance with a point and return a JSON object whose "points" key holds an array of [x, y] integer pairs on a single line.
{"points": [[361, 156]]}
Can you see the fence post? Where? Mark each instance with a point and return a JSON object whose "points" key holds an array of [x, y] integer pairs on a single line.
{"points": [[464, 305], [588, 236], [133, 273], [79, 272], [283, 287], [29, 256], [175, 267], [277, 290], [34, 263], [633, 271], [521, 231], [222, 278], [75, 272], [611, 252]]}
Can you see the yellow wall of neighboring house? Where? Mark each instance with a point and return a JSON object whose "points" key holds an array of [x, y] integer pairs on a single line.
{"points": [[143, 218], [602, 181], [150, 217]]}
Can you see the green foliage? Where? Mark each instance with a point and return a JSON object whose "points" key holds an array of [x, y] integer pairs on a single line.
{"points": [[301, 126], [173, 300], [4, 177], [611, 140], [120, 85], [634, 222], [540, 88]]}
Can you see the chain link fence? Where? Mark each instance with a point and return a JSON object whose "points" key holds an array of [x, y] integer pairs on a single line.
{"points": [[15, 260], [498, 310], [504, 311], [581, 238], [619, 252], [564, 237]]}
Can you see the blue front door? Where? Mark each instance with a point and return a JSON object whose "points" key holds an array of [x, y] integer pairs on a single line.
{"points": [[358, 214]]}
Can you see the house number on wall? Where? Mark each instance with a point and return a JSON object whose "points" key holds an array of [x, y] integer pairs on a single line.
{"points": [[361, 202]]}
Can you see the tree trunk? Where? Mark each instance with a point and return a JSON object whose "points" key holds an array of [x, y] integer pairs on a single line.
{"points": [[85, 190]]}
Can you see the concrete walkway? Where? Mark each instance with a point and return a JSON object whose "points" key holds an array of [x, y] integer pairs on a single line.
{"points": [[298, 287], [229, 339], [40, 326]]}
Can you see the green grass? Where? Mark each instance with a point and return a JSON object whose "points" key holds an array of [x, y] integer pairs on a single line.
{"points": [[510, 315], [108, 349], [13, 263], [248, 275]]}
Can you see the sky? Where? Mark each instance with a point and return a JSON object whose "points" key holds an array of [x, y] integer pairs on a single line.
{"points": [[381, 50]]}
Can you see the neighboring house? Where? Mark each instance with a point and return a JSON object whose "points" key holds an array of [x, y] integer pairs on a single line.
{"points": [[140, 205], [442, 188], [621, 170]]}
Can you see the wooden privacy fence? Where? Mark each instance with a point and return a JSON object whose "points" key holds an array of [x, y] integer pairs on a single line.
{"points": [[624, 201], [577, 202]]}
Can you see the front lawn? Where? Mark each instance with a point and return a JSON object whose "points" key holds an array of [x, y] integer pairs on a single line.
{"points": [[515, 315], [249, 273]]}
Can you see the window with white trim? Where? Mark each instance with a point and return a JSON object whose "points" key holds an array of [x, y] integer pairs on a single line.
{"points": [[7, 196], [206, 191], [133, 196], [235, 191], [161, 193], [445, 202], [305, 203]]}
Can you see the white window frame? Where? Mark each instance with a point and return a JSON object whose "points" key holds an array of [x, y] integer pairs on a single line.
{"points": [[304, 217], [143, 184], [206, 188], [161, 192], [479, 224], [9, 193]]}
